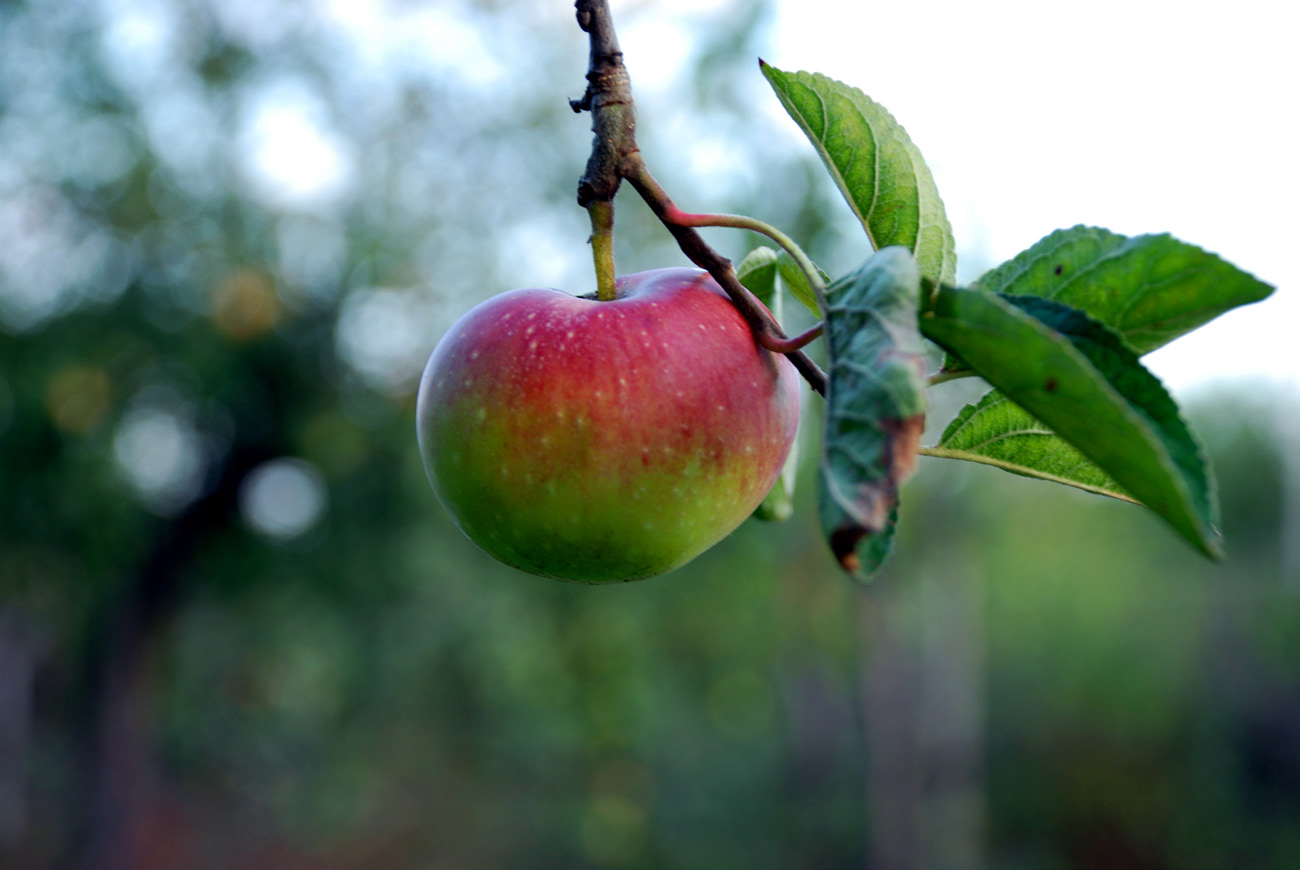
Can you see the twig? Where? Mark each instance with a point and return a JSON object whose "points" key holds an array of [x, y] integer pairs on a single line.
{"points": [[615, 156]]}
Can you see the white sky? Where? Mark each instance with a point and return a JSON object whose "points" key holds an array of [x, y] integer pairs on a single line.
{"points": [[1135, 116]]}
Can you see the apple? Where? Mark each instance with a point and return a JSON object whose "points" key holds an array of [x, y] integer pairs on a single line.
{"points": [[605, 441]]}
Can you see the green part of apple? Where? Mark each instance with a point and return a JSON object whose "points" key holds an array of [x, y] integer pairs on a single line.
{"points": [[605, 441]]}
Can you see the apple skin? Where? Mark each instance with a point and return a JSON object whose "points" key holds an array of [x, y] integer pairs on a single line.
{"points": [[605, 441]]}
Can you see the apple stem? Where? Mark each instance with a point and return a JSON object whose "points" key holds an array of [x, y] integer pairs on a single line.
{"points": [[744, 222], [602, 248]]}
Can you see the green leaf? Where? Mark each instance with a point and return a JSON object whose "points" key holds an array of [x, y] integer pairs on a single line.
{"points": [[875, 405], [1080, 379], [759, 273], [996, 431], [797, 282], [1150, 289], [874, 163], [778, 505]]}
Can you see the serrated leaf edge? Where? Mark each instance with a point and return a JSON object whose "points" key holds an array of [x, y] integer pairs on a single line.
{"points": [[1025, 471], [899, 132], [1207, 538]]}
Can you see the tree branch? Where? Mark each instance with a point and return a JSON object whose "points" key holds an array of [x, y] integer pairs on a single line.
{"points": [[615, 156], [609, 99]]}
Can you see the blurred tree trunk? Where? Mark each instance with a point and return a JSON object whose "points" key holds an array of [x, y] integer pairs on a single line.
{"points": [[22, 647], [1288, 434], [923, 698], [124, 828]]}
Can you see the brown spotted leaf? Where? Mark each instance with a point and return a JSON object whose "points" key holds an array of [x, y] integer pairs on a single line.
{"points": [[875, 405]]}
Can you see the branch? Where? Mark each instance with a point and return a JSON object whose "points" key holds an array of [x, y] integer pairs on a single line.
{"points": [[609, 99], [615, 156], [699, 253]]}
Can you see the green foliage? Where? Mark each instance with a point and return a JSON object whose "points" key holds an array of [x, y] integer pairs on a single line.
{"points": [[759, 273], [1149, 289], [996, 431], [1079, 378], [875, 165], [875, 405], [1055, 328], [797, 282]]}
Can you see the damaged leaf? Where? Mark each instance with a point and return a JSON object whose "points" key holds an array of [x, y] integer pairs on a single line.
{"points": [[875, 405]]}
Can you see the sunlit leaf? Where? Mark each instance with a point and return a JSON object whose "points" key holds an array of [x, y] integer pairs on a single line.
{"points": [[875, 405], [1150, 289], [874, 163]]}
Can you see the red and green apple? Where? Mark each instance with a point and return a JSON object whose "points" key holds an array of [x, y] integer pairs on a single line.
{"points": [[605, 441]]}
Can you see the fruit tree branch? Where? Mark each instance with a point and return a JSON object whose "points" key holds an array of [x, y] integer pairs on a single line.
{"points": [[615, 156], [699, 253]]}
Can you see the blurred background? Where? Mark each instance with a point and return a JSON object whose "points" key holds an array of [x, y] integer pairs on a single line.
{"points": [[237, 630]]}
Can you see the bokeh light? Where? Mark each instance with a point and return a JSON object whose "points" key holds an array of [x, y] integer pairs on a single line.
{"points": [[283, 499]]}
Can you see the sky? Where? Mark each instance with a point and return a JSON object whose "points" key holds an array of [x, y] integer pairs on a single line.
{"points": [[1135, 116]]}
